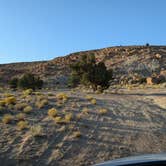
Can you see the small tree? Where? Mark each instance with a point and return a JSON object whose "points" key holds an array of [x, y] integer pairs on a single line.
{"points": [[29, 81], [88, 72]]}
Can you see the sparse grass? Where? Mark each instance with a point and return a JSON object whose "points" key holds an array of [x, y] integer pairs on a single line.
{"points": [[7, 118], [20, 116], [36, 131], [21, 125], [93, 101], [103, 111], [52, 112], [27, 109]]}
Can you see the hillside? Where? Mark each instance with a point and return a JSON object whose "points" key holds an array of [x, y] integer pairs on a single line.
{"points": [[123, 60]]}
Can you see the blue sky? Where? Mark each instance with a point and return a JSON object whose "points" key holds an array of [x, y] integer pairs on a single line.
{"points": [[43, 29]]}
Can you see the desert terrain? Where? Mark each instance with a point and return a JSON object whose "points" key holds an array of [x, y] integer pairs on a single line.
{"points": [[84, 128]]}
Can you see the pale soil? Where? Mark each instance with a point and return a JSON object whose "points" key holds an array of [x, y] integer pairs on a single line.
{"points": [[134, 124]]}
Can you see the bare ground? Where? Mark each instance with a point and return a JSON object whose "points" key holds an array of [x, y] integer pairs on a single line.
{"points": [[134, 124]]}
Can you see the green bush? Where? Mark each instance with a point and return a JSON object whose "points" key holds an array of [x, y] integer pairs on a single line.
{"points": [[88, 72], [30, 81]]}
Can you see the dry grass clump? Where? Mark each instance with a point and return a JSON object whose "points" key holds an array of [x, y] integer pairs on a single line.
{"points": [[20, 116], [88, 97], [21, 125], [27, 109], [93, 101], [8, 95], [36, 131], [103, 111], [7, 118], [68, 117], [2, 102], [76, 134], [85, 111], [27, 92], [58, 120], [62, 96], [20, 106], [42, 103], [52, 112], [10, 100], [38, 93]]}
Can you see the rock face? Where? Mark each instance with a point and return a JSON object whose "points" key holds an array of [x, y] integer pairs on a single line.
{"points": [[124, 60]]}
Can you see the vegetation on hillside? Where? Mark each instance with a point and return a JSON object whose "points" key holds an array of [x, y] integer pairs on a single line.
{"points": [[90, 73], [27, 81]]}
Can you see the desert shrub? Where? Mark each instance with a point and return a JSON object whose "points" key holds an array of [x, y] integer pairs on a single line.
{"points": [[36, 131], [8, 95], [27, 92], [21, 125], [10, 100], [13, 83], [58, 120], [88, 97], [103, 111], [76, 134], [20, 116], [41, 104], [20, 106], [30, 81], [88, 72], [7, 118], [62, 96], [93, 101], [68, 117], [85, 111], [27, 109], [73, 80], [52, 112], [38, 93], [2, 102]]}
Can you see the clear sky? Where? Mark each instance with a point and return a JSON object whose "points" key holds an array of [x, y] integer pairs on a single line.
{"points": [[43, 29]]}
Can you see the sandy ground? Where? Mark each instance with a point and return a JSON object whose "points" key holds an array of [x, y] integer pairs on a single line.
{"points": [[135, 123]]}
